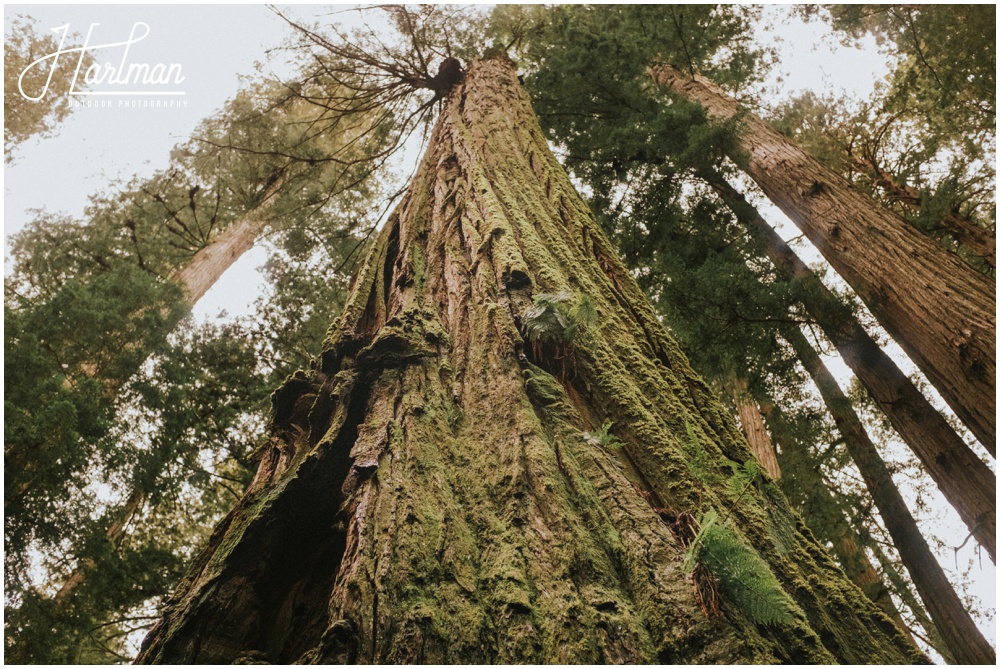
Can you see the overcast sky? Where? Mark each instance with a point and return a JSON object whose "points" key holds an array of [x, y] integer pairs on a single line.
{"points": [[215, 45]]}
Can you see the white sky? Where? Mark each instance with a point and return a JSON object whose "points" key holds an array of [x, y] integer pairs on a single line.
{"points": [[216, 44]]}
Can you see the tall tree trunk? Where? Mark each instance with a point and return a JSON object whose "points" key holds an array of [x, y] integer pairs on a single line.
{"points": [[429, 493], [941, 311], [807, 491], [966, 643], [966, 482]]}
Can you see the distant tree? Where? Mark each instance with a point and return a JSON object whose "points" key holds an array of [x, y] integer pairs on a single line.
{"points": [[965, 480], [964, 641], [90, 314], [939, 310]]}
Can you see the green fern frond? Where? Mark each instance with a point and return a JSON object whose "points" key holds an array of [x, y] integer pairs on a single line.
{"points": [[746, 579], [583, 314], [557, 318], [698, 460], [749, 474], [602, 437]]}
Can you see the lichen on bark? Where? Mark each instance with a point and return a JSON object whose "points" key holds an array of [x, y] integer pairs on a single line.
{"points": [[429, 493]]}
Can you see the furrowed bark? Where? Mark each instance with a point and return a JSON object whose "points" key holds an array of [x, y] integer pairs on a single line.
{"points": [[966, 643], [941, 311], [965, 481], [430, 493]]}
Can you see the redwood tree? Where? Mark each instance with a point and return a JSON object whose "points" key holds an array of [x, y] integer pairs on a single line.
{"points": [[965, 480], [956, 627], [441, 488], [941, 311]]}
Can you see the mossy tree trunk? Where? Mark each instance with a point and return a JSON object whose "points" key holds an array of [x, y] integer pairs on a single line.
{"points": [[941, 311], [429, 493]]}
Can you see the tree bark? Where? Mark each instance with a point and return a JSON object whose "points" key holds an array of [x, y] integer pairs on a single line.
{"points": [[965, 481], [430, 493], [966, 643], [941, 311], [753, 428]]}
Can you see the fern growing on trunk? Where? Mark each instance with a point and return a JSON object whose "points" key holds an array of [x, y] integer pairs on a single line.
{"points": [[746, 579]]}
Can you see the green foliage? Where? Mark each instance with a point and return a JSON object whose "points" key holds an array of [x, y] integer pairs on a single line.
{"points": [[586, 69], [24, 118], [557, 319], [746, 580], [946, 67], [103, 403], [746, 476], [602, 437], [924, 145], [63, 357]]}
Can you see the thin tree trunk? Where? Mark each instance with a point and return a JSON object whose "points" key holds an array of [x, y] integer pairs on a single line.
{"points": [[941, 311], [966, 482], [966, 643], [211, 262], [115, 533], [430, 492], [753, 428], [806, 490], [906, 595]]}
